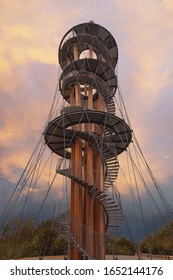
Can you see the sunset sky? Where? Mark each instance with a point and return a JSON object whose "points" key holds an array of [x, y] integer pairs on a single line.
{"points": [[31, 31]]}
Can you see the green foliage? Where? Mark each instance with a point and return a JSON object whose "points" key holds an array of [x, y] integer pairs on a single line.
{"points": [[121, 246], [160, 242], [23, 239]]}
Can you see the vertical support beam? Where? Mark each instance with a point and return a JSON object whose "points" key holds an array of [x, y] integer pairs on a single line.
{"points": [[89, 203], [99, 219], [76, 208], [94, 214]]}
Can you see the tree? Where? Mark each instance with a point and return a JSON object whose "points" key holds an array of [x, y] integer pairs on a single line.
{"points": [[22, 239], [121, 246], [159, 242]]}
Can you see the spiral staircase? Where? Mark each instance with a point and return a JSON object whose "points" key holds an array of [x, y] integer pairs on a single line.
{"points": [[89, 136]]}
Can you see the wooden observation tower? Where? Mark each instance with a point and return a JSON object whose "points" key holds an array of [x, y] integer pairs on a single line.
{"points": [[90, 136]]}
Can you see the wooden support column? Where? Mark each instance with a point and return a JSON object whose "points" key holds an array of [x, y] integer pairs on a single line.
{"points": [[94, 214], [77, 205], [89, 203], [99, 219]]}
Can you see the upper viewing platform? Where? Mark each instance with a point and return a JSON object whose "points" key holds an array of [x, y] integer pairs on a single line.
{"points": [[87, 36]]}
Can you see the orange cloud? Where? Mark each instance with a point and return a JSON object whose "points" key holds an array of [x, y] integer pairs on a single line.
{"points": [[30, 33]]}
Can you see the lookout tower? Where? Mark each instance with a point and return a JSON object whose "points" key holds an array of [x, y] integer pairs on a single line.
{"points": [[90, 136]]}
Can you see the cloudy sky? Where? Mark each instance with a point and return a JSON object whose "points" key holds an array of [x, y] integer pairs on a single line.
{"points": [[31, 31]]}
